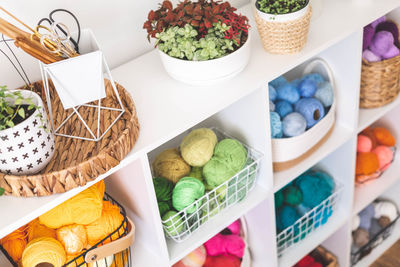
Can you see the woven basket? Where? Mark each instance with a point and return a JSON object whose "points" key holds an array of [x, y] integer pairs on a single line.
{"points": [[76, 161], [286, 37], [380, 81], [325, 257]]}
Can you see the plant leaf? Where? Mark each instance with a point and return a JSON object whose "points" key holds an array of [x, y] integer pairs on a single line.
{"points": [[21, 113], [2, 191]]}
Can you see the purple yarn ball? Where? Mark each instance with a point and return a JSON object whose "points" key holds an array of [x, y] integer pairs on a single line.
{"points": [[366, 216], [294, 124], [391, 53], [288, 92], [311, 109], [307, 88], [369, 56], [369, 33], [283, 108], [381, 43], [391, 27], [377, 21]]}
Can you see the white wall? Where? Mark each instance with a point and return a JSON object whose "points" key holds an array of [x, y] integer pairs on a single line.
{"points": [[117, 25]]}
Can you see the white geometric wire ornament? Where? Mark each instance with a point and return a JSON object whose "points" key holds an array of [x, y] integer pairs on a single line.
{"points": [[79, 82]]}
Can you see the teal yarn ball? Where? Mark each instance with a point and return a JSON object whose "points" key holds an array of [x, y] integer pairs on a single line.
{"points": [[163, 188], [287, 216], [276, 125], [325, 94], [314, 189], [326, 179], [232, 152], [292, 195], [187, 190], [163, 207], [174, 224], [278, 199], [294, 124], [216, 172]]}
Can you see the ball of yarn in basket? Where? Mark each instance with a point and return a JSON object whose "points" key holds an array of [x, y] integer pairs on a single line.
{"points": [[222, 261], [370, 56], [44, 250], [307, 88], [198, 146], [381, 42], [287, 216], [366, 216], [278, 199], [384, 221], [292, 195], [15, 243], [216, 172], [294, 124], [275, 125], [283, 108], [171, 165], [314, 189], [368, 35], [225, 245], [186, 192], [235, 227], [385, 156], [384, 136], [278, 82], [364, 143], [232, 152], [385, 208], [316, 77], [196, 172], [109, 221], [392, 52], [288, 92], [391, 27], [360, 237], [163, 207], [163, 188], [73, 237], [366, 163], [325, 94], [311, 109], [35, 229], [196, 258], [174, 224], [305, 261], [369, 133], [84, 208]]}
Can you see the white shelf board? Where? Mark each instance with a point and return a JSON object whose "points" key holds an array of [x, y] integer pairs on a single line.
{"points": [[339, 136], [216, 224], [368, 116], [301, 249]]}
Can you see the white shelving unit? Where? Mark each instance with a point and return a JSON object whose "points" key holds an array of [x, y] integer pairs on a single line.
{"points": [[167, 109]]}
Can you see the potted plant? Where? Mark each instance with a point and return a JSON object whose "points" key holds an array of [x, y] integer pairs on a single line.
{"points": [[283, 24], [26, 142], [200, 42]]}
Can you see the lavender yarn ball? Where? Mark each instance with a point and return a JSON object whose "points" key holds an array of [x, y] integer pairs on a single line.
{"points": [[271, 106], [316, 77], [294, 124], [289, 93], [272, 93], [311, 109], [391, 27], [324, 94], [366, 216], [369, 33], [378, 21], [283, 108], [381, 43], [369, 56], [307, 88], [276, 125], [278, 82], [391, 53]]}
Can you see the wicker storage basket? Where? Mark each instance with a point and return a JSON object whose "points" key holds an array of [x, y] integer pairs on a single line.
{"points": [[380, 82], [283, 36], [325, 257], [76, 162]]}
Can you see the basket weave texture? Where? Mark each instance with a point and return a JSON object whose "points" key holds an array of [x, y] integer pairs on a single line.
{"points": [[284, 37], [76, 161]]}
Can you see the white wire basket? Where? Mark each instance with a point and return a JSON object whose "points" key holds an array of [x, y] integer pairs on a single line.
{"points": [[224, 196], [309, 222]]}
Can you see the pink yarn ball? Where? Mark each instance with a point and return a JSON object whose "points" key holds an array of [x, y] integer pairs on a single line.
{"points": [[225, 245], [195, 258], [385, 156], [364, 143], [391, 53], [235, 227]]}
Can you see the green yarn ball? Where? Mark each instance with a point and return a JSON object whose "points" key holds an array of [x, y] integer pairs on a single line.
{"points": [[278, 199], [292, 195], [186, 192], [232, 152], [163, 188], [217, 172], [163, 207], [174, 226], [196, 172]]}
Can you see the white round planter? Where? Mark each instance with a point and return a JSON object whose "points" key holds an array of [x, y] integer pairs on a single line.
{"points": [[208, 72], [27, 147], [283, 17]]}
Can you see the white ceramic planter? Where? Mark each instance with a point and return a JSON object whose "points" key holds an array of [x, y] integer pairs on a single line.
{"points": [[207, 72], [283, 17], [27, 147], [286, 149]]}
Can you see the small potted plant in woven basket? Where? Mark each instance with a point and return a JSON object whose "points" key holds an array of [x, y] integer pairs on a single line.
{"points": [[26, 142], [283, 24], [380, 72], [200, 42]]}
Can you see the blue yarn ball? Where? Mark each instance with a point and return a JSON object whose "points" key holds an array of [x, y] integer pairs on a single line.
{"points": [[271, 106], [314, 189], [287, 216], [316, 77], [276, 125], [288, 92], [307, 88], [311, 109], [283, 108], [366, 216], [326, 178], [272, 93], [296, 82], [278, 199], [294, 124], [278, 82], [324, 94]]}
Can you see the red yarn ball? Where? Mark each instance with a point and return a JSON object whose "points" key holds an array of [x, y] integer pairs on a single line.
{"points": [[305, 262], [222, 261]]}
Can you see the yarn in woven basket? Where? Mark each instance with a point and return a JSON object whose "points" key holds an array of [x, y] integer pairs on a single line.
{"points": [[15, 243], [83, 208], [186, 192], [195, 258], [109, 221], [73, 237], [171, 165], [196, 172], [385, 208], [44, 250], [198, 146], [35, 229], [163, 188]]}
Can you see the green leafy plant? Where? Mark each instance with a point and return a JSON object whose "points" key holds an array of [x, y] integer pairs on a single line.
{"points": [[280, 6]]}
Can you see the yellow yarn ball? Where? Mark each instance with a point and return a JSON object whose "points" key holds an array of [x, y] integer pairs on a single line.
{"points": [[83, 208], [15, 243], [35, 229], [110, 219], [43, 250], [73, 237], [197, 147], [169, 164]]}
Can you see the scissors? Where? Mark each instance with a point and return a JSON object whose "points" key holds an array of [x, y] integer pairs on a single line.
{"points": [[61, 27]]}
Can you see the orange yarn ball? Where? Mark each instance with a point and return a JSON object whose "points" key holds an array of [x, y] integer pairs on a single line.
{"points": [[369, 133], [35, 229], [110, 219], [367, 163], [15, 243], [73, 237], [384, 137]]}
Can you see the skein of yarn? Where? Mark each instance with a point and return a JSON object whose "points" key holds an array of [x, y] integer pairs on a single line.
{"points": [[171, 165], [186, 192], [225, 245], [35, 229], [73, 237], [43, 250], [15, 243]]}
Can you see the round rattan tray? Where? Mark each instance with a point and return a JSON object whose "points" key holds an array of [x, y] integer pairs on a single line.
{"points": [[77, 161]]}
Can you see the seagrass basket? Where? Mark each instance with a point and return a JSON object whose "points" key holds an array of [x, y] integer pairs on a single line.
{"points": [[286, 33]]}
